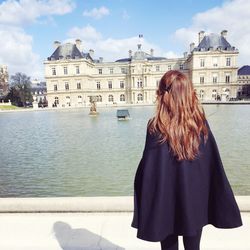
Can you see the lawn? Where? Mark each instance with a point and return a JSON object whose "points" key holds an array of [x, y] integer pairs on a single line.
{"points": [[8, 107]]}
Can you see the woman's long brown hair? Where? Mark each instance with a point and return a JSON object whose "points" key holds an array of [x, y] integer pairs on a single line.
{"points": [[179, 117]]}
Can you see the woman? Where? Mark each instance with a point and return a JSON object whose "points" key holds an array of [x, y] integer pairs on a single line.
{"points": [[180, 184]]}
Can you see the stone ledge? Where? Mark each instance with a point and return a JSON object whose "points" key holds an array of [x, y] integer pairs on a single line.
{"points": [[83, 204]]}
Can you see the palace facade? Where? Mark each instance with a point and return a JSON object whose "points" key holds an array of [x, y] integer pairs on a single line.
{"points": [[74, 77]]}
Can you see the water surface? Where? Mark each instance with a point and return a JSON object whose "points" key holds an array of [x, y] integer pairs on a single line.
{"points": [[68, 153]]}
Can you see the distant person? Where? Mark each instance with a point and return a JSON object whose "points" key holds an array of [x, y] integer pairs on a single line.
{"points": [[180, 184]]}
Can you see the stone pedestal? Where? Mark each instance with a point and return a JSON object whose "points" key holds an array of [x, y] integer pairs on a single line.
{"points": [[35, 105]]}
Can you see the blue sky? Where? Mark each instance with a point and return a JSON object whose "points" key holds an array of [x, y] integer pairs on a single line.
{"points": [[155, 21], [111, 27]]}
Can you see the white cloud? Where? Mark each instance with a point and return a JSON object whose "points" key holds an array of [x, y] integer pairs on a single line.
{"points": [[16, 45], [17, 54], [97, 13], [27, 11], [109, 48], [171, 54], [86, 33], [233, 16]]}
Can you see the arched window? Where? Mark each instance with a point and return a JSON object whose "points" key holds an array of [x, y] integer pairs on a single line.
{"points": [[111, 98], [79, 99], [139, 97], [122, 98], [202, 93], [67, 99], [56, 100], [214, 93], [99, 98], [227, 92]]}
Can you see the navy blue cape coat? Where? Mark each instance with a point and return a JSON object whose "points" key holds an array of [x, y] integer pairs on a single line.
{"points": [[172, 197]]}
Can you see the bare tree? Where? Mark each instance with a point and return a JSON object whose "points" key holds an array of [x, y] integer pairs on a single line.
{"points": [[21, 88]]}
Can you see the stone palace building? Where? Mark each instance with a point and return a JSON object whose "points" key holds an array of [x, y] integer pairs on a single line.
{"points": [[74, 77]]}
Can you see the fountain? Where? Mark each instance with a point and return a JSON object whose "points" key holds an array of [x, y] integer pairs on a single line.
{"points": [[93, 111]]}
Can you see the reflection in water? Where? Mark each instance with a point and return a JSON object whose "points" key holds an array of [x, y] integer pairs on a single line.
{"points": [[68, 153]]}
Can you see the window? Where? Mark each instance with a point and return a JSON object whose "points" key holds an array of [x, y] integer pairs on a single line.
{"points": [[157, 83], [202, 62], [68, 100], [100, 71], [157, 67], [110, 85], [99, 98], [181, 66], [122, 98], [77, 70], [122, 84], [227, 79], [111, 71], [78, 85], [56, 100], [215, 61], [111, 98], [169, 67], [53, 71], [227, 91], [139, 97], [214, 94], [66, 86], [98, 85], [123, 70], [139, 83], [79, 99], [228, 61], [215, 78], [55, 87], [65, 70], [202, 79], [201, 93]]}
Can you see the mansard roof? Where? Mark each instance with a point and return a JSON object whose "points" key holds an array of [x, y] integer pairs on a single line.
{"points": [[214, 42], [68, 51], [244, 70]]}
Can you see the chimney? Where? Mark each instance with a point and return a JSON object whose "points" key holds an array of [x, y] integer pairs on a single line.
{"points": [[224, 33], [152, 52], [78, 44], [185, 54], [130, 53], [100, 59], [201, 35], [192, 46], [91, 52], [56, 44]]}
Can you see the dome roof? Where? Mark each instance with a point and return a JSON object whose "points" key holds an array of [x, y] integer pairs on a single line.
{"points": [[141, 55], [245, 70]]}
